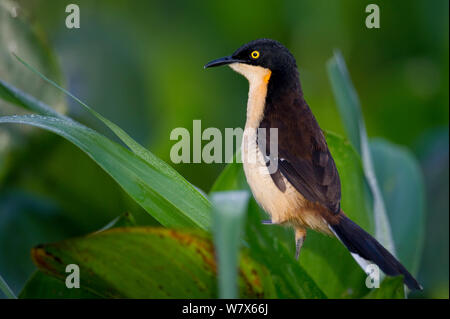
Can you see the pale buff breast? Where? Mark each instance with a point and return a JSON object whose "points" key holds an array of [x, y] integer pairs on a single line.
{"points": [[287, 206]]}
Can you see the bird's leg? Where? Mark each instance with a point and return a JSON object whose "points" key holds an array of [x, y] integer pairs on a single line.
{"points": [[300, 235]]}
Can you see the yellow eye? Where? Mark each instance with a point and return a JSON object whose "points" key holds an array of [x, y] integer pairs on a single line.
{"points": [[255, 54]]}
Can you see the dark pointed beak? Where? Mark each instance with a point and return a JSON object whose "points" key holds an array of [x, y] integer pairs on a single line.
{"points": [[221, 61]]}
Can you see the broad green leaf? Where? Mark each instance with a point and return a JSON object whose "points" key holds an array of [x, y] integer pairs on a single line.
{"points": [[42, 286], [138, 149], [323, 258], [178, 182], [350, 110], [229, 210], [53, 201], [402, 186], [18, 34], [145, 262], [390, 288], [4, 288], [167, 201]]}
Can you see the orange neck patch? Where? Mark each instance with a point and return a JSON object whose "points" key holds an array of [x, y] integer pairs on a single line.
{"points": [[267, 77]]}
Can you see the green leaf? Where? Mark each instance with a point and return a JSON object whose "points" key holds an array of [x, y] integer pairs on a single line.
{"points": [[13, 95], [390, 288], [42, 286], [4, 288], [169, 202], [146, 262], [402, 186], [350, 110], [231, 178], [229, 210], [179, 182], [138, 149], [325, 259]]}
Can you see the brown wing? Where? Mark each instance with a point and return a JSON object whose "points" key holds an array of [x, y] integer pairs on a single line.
{"points": [[303, 155]]}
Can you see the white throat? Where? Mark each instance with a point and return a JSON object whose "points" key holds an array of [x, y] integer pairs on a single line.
{"points": [[258, 79]]}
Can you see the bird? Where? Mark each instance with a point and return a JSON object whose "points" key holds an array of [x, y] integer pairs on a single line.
{"points": [[304, 189]]}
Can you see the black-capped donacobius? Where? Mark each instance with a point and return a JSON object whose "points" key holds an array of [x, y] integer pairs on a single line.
{"points": [[304, 191]]}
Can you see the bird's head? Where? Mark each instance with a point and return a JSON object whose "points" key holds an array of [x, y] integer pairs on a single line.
{"points": [[262, 57]]}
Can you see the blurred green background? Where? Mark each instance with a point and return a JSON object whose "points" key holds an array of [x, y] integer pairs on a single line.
{"points": [[141, 65]]}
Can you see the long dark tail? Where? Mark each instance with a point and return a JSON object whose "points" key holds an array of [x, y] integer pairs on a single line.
{"points": [[359, 242]]}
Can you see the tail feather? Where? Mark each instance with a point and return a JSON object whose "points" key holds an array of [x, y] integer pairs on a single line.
{"points": [[362, 245]]}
